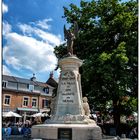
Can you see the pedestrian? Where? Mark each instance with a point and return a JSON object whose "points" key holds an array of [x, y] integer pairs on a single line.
{"points": [[19, 129], [9, 130], [23, 129], [3, 132], [133, 133], [15, 130], [27, 132]]}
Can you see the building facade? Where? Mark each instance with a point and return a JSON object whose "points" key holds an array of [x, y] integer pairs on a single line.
{"points": [[25, 96]]}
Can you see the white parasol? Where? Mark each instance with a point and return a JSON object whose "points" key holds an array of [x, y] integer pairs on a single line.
{"points": [[40, 114], [11, 114]]}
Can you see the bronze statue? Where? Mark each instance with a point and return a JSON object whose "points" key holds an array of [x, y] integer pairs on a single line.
{"points": [[70, 37]]}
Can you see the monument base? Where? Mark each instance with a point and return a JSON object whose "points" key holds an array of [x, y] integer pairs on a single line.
{"points": [[66, 132]]}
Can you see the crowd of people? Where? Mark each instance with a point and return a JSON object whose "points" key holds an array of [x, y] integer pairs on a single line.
{"points": [[128, 129], [19, 128], [24, 128]]}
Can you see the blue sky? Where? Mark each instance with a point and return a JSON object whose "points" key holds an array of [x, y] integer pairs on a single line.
{"points": [[31, 29]]}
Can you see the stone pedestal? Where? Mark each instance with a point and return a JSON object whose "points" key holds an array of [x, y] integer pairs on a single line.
{"points": [[68, 115], [79, 132]]}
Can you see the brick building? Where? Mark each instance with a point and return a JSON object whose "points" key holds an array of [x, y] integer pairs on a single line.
{"points": [[26, 96]]}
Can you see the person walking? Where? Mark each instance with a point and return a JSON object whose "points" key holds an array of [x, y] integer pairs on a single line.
{"points": [[9, 130]]}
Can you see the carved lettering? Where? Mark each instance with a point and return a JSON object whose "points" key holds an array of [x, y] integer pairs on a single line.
{"points": [[67, 89], [68, 78], [69, 93], [68, 83], [68, 101]]}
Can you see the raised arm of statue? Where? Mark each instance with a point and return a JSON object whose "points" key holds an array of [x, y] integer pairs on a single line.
{"points": [[70, 36]]}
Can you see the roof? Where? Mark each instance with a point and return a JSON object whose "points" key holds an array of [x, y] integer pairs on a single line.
{"points": [[23, 91], [23, 80], [52, 82]]}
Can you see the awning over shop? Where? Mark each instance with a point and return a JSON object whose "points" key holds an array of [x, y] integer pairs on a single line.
{"points": [[45, 110], [27, 109], [4, 113]]}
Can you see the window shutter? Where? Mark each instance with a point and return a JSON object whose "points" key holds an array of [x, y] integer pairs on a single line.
{"points": [[46, 103], [43, 103]]}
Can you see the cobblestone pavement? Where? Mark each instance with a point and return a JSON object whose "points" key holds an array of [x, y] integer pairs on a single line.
{"points": [[20, 137]]}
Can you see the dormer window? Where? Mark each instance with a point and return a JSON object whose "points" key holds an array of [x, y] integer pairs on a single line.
{"points": [[31, 87], [4, 84], [46, 90], [12, 85]]}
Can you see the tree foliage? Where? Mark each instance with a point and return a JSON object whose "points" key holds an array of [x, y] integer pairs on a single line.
{"points": [[108, 44]]}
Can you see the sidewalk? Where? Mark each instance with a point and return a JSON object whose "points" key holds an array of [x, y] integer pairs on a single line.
{"points": [[115, 138], [16, 137]]}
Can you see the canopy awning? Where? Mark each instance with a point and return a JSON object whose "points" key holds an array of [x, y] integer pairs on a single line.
{"points": [[27, 109], [40, 115], [45, 110], [11, 114]]}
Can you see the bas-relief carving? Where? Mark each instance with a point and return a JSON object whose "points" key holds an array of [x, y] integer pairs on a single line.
{"points": [[68, 118]]}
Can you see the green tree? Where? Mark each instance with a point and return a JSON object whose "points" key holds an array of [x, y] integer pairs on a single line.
{"points": [[108, 44]]}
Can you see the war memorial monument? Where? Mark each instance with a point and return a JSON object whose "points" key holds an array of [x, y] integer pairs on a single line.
{"points": [[70, 111]]}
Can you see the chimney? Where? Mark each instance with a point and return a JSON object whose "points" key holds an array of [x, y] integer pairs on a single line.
{"points": [[33, 78], [51, 74]]}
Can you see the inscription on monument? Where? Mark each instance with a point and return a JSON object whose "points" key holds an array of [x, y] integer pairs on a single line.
{"points": [[67, 87]]}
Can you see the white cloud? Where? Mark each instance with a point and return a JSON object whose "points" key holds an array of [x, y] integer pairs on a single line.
{"points": [[4, 8], [6, 28], [26, 29], [45, 36], [48, 37], [5, 71], [32, 50], [27, 52], [44, 23]]}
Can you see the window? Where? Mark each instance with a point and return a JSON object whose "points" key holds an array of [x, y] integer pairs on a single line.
{"points": [[34, 102], [22, 86], [46, 90], [7, 100], [45, 103], [12, 85], [31, 87], [37, 88], [4, 84], [25, 101]]}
